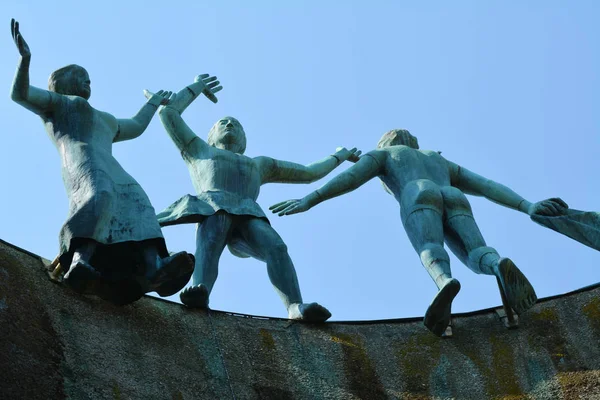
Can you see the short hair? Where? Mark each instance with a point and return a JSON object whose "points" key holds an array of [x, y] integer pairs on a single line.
{"points": [[61, 81], [396, 137], [241, 145]]}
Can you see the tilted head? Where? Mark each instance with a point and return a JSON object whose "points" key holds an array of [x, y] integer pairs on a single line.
{"points": [[228, 134], [71, 80], [397, 137]]}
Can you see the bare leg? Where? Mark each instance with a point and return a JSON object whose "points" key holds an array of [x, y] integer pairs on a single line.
{"points": [[422, 218], [268, 246], [211, 237], [465, 240]]}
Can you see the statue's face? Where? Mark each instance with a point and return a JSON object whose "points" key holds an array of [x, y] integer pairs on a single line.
{"points": [[228, 134], [83, 84]]}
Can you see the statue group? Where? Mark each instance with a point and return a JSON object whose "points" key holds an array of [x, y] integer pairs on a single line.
{"points": [[111, 244]]}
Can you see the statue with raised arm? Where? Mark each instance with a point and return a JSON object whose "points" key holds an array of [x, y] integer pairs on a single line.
{"points": [[433, 208], [227, 185], [111, 243]]}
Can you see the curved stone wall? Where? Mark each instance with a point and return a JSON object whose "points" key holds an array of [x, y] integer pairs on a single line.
{"points": [[55, 344]]}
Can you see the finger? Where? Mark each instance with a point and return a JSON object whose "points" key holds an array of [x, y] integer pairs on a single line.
{"points": [[545, 210], [213, 84], [353, 150], [148, 93], [289, 205], [217, 89], [12, 27], [358, 153], [209, 95], [277, 205], [290, 211], [210, 79], [560, 202], [280, 206], [16, 27], [167, 93], [287, 211], [553, 208], [202, 76]]}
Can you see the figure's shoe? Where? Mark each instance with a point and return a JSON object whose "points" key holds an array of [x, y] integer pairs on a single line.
{"points": [[308, 312], [173, 274], [519, 293], [437, 317], [195, 296], [82, 277]]}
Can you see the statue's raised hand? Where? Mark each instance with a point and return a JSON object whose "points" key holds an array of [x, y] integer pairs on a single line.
{"points": [[160, 98], [209, 86], [290, 207], [550, 207], [18, 38], [342, 154]]}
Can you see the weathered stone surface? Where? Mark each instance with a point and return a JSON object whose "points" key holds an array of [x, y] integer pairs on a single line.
{"points": [[57, 344]]}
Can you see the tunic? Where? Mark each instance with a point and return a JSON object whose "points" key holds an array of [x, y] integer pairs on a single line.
{"points": [[105, 203], [224, 181]]}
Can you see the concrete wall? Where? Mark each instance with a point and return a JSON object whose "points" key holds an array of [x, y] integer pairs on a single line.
{"points": [[55, 344]]}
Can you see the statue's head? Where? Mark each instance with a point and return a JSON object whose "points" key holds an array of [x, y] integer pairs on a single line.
{"points": [[228, 134], [71, 80], [397, 137]]}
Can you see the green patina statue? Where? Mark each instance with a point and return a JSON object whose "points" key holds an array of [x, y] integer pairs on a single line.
{"points": [[434, 209], [227, 184], [111, 242]]}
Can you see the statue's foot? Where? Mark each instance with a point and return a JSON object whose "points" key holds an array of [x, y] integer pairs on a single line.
{"points": [[519, 293], [195, 296], [309, 312], [173, 274], [82, 277], [437, 317]]}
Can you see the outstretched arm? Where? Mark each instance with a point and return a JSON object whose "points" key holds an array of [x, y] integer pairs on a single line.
{"points": [[179, 132], [134, 127], [272, 170], [203, 84], [474, 184], [368, 167], [34, 99]]}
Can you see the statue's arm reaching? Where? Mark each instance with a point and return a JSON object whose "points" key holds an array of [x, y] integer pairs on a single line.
{"points": [[131, 128], [368, 167], [170, 115], [203, 84], [474, 184], [278, 171], [34, 99]]}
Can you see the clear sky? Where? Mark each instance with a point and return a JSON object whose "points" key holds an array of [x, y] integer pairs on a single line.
{"points": [[507, 89]]}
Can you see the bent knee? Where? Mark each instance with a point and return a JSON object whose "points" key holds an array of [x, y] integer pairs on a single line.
{"points": [[277, 250]]}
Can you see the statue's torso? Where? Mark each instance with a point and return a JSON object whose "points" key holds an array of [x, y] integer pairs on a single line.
{"points": [[83, 136], [405, 165], [215, 169]]}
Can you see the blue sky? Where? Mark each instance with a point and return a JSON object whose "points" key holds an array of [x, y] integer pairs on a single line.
{"points": [[507, 89]]}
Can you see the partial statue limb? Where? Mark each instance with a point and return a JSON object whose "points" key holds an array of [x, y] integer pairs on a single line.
{"points": [[434, 209]]}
